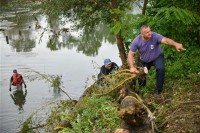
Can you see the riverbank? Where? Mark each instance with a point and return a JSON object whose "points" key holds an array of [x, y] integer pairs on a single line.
{"points": [[175, 108]]}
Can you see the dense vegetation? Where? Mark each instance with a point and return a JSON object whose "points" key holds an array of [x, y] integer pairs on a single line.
{"points": [[179, 105]]}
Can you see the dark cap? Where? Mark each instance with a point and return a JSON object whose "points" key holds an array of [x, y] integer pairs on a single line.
{"points": [[14, 71]]}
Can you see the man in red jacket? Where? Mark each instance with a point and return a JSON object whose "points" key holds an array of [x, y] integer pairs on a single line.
{"points": [[16, 80]]}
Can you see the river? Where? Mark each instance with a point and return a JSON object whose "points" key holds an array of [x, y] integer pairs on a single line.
{"points": [[36, 43]]}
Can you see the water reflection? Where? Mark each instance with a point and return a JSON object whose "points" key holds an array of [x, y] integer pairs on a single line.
{"points": [[4, 3], [19, 97], [92, 38], [16, 26], [56, 92], [21, 29], [22, 41], [89, 39], [24, 36]]}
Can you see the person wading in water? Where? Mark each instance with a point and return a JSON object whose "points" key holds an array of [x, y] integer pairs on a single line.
{"points": [[16, 80]]}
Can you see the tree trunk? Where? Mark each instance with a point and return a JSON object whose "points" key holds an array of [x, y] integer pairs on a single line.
{"points": [[120, 44], [121, 49], [144, 7]]}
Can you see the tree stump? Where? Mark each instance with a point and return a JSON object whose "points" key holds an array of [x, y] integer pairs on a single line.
{"points": [[134, 116]]}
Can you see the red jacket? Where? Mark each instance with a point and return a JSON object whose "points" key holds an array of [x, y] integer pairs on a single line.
{"points": [[16, 79]]}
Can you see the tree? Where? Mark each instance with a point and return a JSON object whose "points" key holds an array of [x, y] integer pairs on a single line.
{"points": [[176, 19], [176, 16], [89, 13], [167, 17]]}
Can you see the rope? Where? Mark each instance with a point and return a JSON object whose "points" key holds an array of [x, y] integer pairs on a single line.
{"points": [[116, 86]]}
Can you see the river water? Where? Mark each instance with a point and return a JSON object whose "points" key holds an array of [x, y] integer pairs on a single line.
{"points": [[36, 43]]}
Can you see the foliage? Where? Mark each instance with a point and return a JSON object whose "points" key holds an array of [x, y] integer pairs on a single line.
{"points": [[97, 114], [27, 124], [59, 113], [113, 82], [185, 66], [175, 19], [95, 111], [54, 80], [87, 12], [176, 14], [36, 122], [130, 24]]}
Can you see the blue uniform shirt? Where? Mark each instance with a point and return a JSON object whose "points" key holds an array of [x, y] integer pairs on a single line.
{"points": [[149, 50]]}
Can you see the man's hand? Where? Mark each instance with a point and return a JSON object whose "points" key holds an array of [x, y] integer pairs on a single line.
{"points": [[179, 47], [134, 70], [171, 42], [9, 89]]}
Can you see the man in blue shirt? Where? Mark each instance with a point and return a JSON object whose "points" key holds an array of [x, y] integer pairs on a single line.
{"points": [[151, 54]]}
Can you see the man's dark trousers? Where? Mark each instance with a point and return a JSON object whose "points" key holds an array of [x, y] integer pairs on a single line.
{"points": [[159, 64]]}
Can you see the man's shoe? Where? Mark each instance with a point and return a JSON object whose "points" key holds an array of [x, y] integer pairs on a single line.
{"points": [[157, 92]]}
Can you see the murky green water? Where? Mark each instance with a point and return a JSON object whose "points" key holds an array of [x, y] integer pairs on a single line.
{"points": [[36, 42]]}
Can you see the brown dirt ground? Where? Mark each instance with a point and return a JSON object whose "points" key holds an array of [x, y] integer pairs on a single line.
{"points": [[178, 113]]}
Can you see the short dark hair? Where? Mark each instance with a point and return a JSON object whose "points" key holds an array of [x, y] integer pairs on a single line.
{"points": [[144, 26], [14, 71]]}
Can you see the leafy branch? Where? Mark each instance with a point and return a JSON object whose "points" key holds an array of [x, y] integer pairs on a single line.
{"points": [[54, 80]]}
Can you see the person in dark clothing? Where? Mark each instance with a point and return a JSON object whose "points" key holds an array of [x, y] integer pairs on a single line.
{"points": [[16, 80], [108, 68]]}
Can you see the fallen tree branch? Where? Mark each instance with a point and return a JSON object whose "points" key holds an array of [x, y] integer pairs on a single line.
{"points": [[46, 77]]}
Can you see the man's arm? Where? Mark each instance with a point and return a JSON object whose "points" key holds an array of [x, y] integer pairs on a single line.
{"points": [[100, 73], [10, 86], [11, 79], [131, 61], [23, 82], [171, 42]]}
